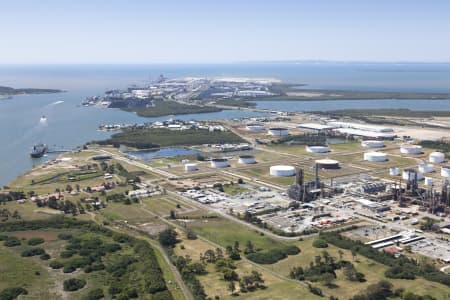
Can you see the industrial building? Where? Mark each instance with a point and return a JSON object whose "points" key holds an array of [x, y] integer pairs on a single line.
{"points": [[364, 131], [315, 127]]}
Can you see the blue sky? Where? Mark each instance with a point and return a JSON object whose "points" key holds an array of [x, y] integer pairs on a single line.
{"points": [[196, 31]]}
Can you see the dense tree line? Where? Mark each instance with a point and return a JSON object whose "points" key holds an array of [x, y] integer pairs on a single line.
{"points": [[273, 255]]}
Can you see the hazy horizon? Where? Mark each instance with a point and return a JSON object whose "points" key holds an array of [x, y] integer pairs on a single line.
{"points": [[202, 32]]}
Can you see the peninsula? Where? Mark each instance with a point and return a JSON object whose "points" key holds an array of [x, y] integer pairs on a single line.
{"points": [[6, 91], [191, 95]]}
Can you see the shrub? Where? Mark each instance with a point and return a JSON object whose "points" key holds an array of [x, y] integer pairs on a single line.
{"points": [[32, 252], [35, 241], [45, 256], [95, 294], [319, 243], [12, 241], [65, 236], [56, 264], [67, 253], [12, 293], [73, 284]]}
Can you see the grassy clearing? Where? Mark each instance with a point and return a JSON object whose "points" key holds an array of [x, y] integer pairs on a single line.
{"points": [[225, 232], [214, 284]]}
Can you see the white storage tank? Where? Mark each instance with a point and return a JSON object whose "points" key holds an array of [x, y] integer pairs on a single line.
{"points": [[255, 127], [372, 144], [436, 157], [445, 172], [327, 164], [410, 149], [283, 171], [190, 167], [428, 181], [317, 149], [426, 168], [375, 156], [278, 131], [219, 163], [247, 159], [409, 174], [393, 171]]}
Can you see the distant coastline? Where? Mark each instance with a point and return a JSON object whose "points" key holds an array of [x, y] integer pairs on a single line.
{"points": [[7, 92]]}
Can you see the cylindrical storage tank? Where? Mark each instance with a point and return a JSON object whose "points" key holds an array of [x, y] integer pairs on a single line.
{"points": [[375, 156], [372, 144], [278, 131], [317, 149], [327, 164], [255, 127], [445, 172], [428, 181], [410, 149], [426, 168], [219, 163], [393, 171], [283, 171], [409, 174], [247, 159], [436, 157], [190, 167]]}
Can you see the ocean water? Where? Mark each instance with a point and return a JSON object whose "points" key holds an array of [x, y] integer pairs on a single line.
{"points": [[69, 125]]}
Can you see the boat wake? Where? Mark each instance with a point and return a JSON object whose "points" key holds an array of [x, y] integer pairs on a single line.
{"points": [[57, 102]]}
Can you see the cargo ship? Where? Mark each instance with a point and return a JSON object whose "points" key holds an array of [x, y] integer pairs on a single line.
{"points": [[38, 150]]}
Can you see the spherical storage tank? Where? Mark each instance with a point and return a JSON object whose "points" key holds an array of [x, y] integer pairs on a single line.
{"points": [[436, 157], [428, 181], [278, 131], [410, 149], [282, 171], [410, 174], [247, 159], [190, 167], [426, 168], [375, 156], [393, 171], [317, 148], [327, 164], [445, 172], [372, 144], [219, 163]]}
